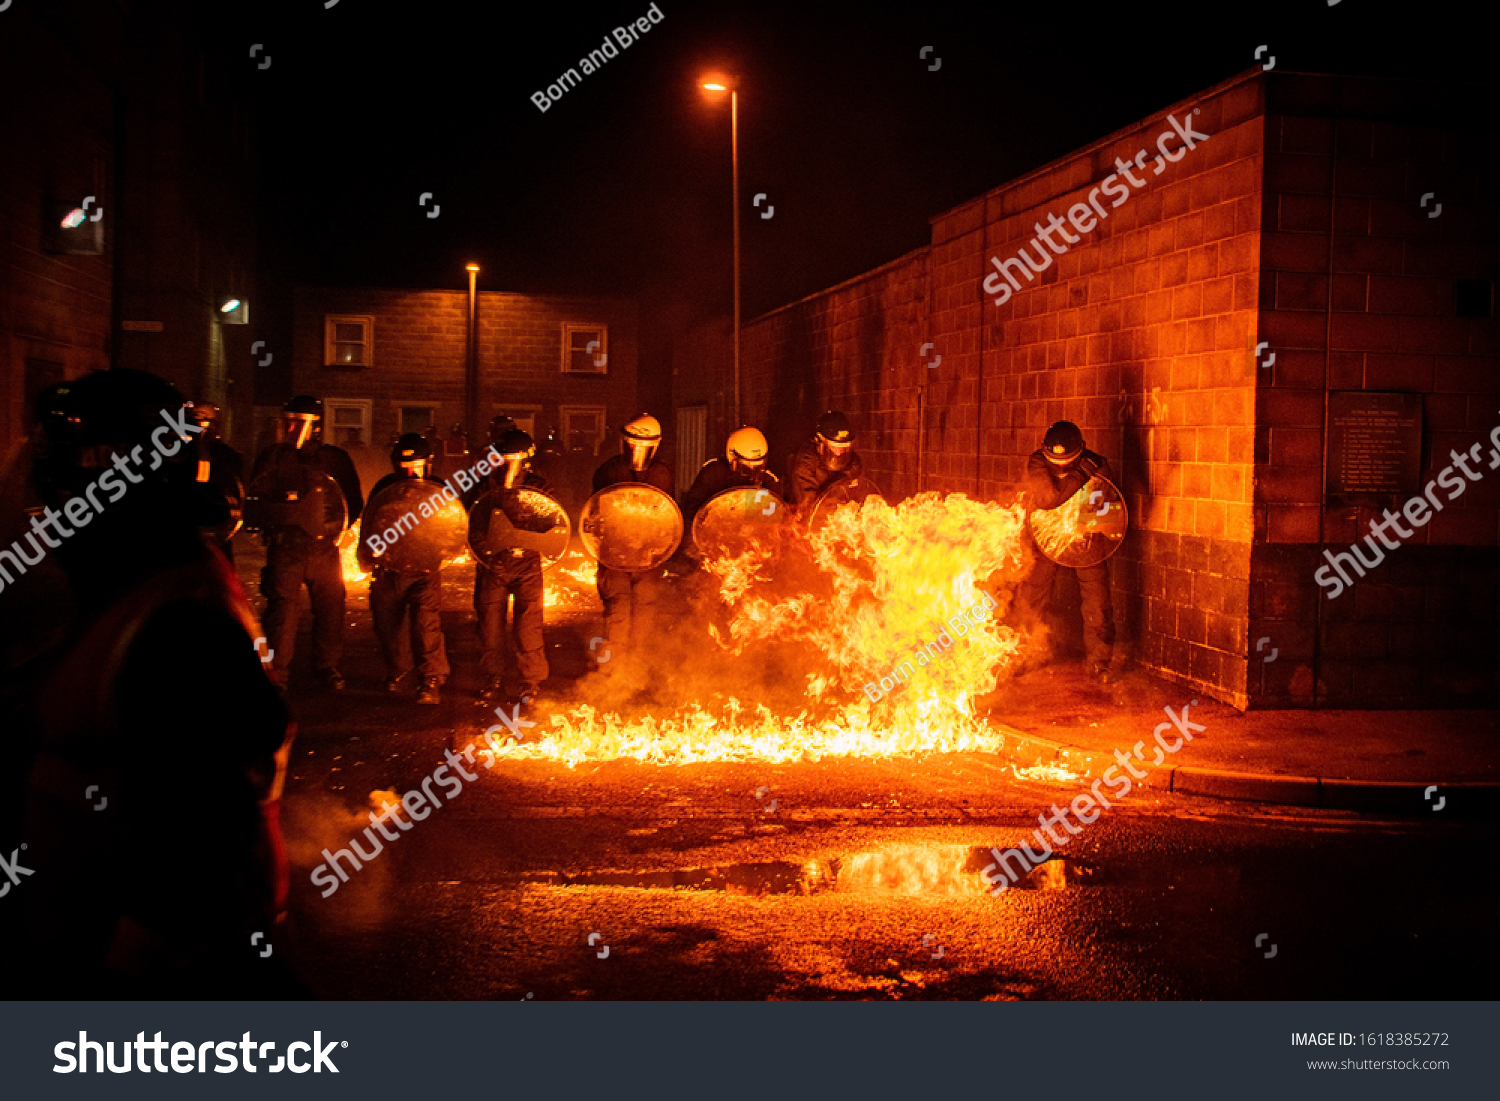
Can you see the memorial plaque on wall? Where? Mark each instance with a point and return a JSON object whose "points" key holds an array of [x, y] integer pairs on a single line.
{"points": [[1374, 446]]}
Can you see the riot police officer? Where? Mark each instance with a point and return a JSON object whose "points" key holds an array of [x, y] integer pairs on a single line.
{"points": [[152, 886], [515, 572], [295, 558], [744, 464], [406, 605], [823, 460], [630, 597], [1054, 473]]}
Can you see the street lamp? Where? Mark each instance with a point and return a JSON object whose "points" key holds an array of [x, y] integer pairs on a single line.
{"points": [[471, 368], [722, 83]]}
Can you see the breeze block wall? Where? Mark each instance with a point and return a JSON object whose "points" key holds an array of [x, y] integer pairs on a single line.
{"points": [[1360, 290], [1140, 333], [853, 347], [1295, 230]]}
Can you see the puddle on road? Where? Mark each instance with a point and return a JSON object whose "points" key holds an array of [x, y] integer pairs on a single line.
{"points": [[943, 871]]}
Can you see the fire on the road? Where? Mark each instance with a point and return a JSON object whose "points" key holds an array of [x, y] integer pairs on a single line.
{"points": [[878, 589]]}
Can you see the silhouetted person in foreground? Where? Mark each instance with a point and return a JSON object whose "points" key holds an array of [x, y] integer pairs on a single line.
{"points": [[158, 744]]}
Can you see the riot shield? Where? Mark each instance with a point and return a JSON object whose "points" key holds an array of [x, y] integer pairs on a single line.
{"points": [[523, 519], [844, 491], [415, 527], [738, 519], [630, 526], [1085, 529], [295, 495]]}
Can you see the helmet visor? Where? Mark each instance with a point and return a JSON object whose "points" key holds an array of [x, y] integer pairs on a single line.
{"points": [[640, 453], [836, 456], [514, 469], [297, 428]]}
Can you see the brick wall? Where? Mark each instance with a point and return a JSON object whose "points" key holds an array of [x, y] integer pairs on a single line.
{"points": [[854, 348], [1140, 333], [1144, 332], [1358, 291], [56, 133], [419, 349]]}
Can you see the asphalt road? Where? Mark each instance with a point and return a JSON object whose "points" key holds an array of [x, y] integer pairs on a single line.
{"points": [[864, 881]]}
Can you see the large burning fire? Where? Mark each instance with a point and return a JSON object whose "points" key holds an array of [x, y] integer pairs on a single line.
{"points": [[890, 611]]}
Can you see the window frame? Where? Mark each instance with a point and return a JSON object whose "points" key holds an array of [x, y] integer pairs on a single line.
{"points": [[331, 322], [564, 412], [525, 416], [331, 425], [432, 410], [571, 327]]}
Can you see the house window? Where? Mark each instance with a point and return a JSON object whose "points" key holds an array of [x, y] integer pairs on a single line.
{"points": [[585, 350], [347, 340], [417, 419], [348, 423], [525, 417], [582, 428]]}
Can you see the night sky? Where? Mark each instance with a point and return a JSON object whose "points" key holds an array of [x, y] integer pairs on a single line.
{"points": [[623, 187]]}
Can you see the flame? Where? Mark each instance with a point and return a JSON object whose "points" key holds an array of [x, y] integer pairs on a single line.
{"points": [[570, 583], [384, 798], [353, 574], [891, 607], [1045, 774]]}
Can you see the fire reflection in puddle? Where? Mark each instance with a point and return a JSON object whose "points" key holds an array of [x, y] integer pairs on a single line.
{"points": [[925, 871]]}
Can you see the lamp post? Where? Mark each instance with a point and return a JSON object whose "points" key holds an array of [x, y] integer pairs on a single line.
{"points": [[471, 367], [731, 84]]}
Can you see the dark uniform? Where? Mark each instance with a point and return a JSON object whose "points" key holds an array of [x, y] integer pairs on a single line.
{"points": [[519, 574], [407, 611], [220, 466], [827, 457], [160, 748], [715, 477], [1048, 486], [294, 559], [630, 598]]}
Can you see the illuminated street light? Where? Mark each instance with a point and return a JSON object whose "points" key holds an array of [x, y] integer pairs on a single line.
{"points": [[471, 366], [230, 305], [718, 82]]}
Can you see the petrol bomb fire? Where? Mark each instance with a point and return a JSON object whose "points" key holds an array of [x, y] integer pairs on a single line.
{"points": [[879, 594]]}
